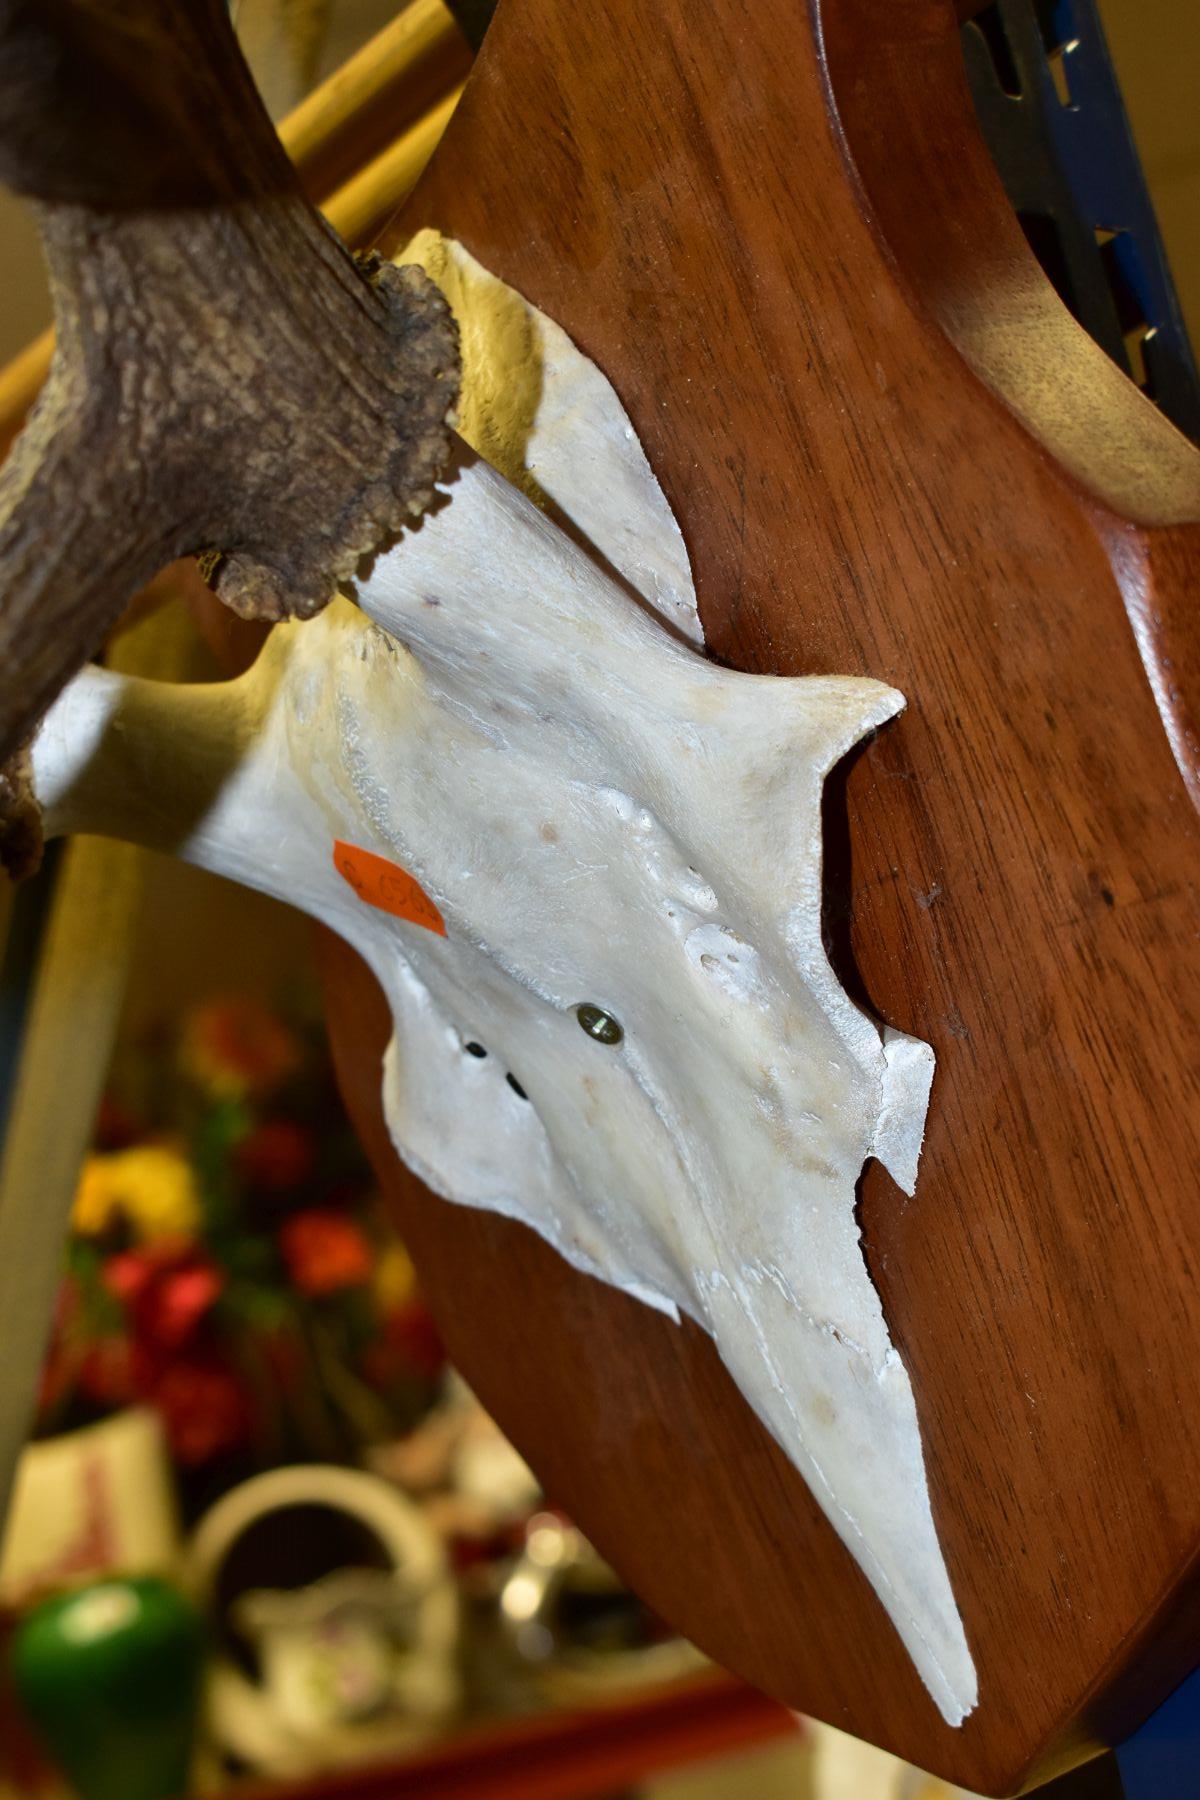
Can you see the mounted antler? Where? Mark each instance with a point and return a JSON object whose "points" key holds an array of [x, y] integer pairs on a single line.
{"points": [[225, 376]]}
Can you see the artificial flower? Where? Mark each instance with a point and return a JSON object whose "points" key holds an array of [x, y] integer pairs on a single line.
{"points": [[277, 1156], [203, 1406], [395, 1278], [210, 1288], [411, 1345], [166, 1289], [237, 1049], [107, 1372], [151, 1188], [324, 1251]]}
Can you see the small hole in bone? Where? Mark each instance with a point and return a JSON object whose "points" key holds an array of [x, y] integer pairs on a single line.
{"points": [[474, 1049], [516, 1087]]}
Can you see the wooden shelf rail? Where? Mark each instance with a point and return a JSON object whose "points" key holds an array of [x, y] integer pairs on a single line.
{"points": [[564, 1756], [359, 142]]}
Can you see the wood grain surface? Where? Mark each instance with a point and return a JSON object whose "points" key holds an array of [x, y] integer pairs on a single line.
{"points": [[775, 229]]}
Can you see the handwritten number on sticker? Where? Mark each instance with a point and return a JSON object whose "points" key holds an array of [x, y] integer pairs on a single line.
{"points": [[384, 884]]}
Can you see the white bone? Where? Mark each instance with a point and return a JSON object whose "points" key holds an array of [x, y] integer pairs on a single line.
{"points": [[601, 816]]}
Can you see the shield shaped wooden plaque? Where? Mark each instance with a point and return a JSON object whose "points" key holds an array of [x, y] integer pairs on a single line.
{"points": [[775, 227]]}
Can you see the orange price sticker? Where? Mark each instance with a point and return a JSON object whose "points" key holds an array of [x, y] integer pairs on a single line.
{"points": [[386, 885]]}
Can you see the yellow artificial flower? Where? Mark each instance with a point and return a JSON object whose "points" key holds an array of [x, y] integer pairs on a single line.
{"points": [[236, 1049], [395, 1278], [151, 1187]]}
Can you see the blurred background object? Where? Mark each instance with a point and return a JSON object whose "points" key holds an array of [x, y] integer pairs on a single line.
{"points": [[110, 1676], [89, 1502], [570, 1618], [335, 1618]]}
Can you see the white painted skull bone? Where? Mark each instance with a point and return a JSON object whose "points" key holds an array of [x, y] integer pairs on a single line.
{"points": [[602, 817]]}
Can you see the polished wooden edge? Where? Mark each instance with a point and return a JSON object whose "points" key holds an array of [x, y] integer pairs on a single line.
{"points": [[898, 87]]}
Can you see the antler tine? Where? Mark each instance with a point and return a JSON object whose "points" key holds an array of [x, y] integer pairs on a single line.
{"points": [[224, 374]]}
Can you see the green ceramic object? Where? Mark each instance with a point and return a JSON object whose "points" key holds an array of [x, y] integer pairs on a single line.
{"points": [[110, 1677]]}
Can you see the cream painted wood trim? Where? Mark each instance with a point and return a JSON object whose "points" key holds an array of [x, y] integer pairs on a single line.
{"points": [[68, 1039]]}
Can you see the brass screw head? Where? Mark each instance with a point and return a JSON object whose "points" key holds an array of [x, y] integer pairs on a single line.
{"points": [[598, 1024]]}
